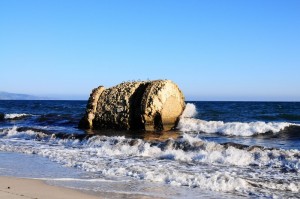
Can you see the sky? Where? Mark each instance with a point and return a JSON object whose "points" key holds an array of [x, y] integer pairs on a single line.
{"points": [[213, 49]]}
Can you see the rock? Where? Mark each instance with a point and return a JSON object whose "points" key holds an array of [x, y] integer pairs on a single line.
{"points": [[161, 105], [2, 115], [147, 105], [87, 121], [235, 145]]}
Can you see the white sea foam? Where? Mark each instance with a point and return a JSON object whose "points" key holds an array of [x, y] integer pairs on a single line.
{"points": [[196, 150], [231, 128], [187, 124], [187, 161], [78, 179], [189, 111], [15, 115], [14, 133]]}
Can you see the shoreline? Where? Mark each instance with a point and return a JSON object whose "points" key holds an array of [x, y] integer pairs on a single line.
{"points": [[23, 188], [36, 175]]}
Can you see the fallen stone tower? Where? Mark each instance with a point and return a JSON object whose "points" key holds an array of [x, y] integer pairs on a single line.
{"points": [[147, 105]]}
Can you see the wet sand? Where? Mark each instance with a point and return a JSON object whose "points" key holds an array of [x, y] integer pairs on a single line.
{"points": [[20, 188]]}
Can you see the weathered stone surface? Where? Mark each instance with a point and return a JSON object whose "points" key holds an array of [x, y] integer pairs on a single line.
{"points": [[149, 105], [87, 121], [161, 105]]}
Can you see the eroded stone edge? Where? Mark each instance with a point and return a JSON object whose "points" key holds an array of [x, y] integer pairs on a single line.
{"points": [[156, 94], [87, 121]]}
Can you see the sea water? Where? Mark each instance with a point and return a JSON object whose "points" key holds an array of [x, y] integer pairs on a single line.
{"points": [[218, 150]]}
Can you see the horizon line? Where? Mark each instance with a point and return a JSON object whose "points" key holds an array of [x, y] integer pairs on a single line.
{"points": [[185, 100]]}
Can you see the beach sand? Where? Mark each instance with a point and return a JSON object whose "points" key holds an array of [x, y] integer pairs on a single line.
{"points": [[20, 188]]}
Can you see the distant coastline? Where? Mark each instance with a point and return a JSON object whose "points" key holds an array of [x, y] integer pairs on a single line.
{"points": [[18, 96]]}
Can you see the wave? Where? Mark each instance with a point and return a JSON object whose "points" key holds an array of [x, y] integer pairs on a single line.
{"points": [[16, 116], [185, 148], [188, 124], [39, 133], [189, 111], [231, 128], [186, 161], [15, 132], [43, 119]]}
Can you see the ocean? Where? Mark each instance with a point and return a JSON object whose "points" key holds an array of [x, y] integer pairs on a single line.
{"points": [[218, 150]]}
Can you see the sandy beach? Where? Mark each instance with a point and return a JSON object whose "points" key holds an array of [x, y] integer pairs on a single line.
{"points": [[20, 188]]}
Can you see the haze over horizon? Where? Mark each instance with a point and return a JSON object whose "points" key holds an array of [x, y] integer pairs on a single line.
{"points": [[214, 50]]}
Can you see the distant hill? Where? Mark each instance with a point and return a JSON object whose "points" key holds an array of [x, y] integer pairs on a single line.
{"points": [[16, 96]]}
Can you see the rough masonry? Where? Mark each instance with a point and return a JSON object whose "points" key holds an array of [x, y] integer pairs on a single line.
{"points": [[147, 105]]}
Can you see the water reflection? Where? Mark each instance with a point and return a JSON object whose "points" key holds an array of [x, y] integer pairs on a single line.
{"points": [[145, 135]]}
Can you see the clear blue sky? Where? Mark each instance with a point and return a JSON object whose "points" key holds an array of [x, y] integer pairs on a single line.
{"points": [[214, 50]]}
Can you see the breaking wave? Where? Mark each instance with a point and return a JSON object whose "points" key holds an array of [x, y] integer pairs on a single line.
{"points": [[186, 161], [14, 132], [187, 124], [16, 116], [231, 128], [189, 111]]}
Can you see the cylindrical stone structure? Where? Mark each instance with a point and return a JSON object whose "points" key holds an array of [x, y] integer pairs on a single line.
{"points": [[143, 105]]}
